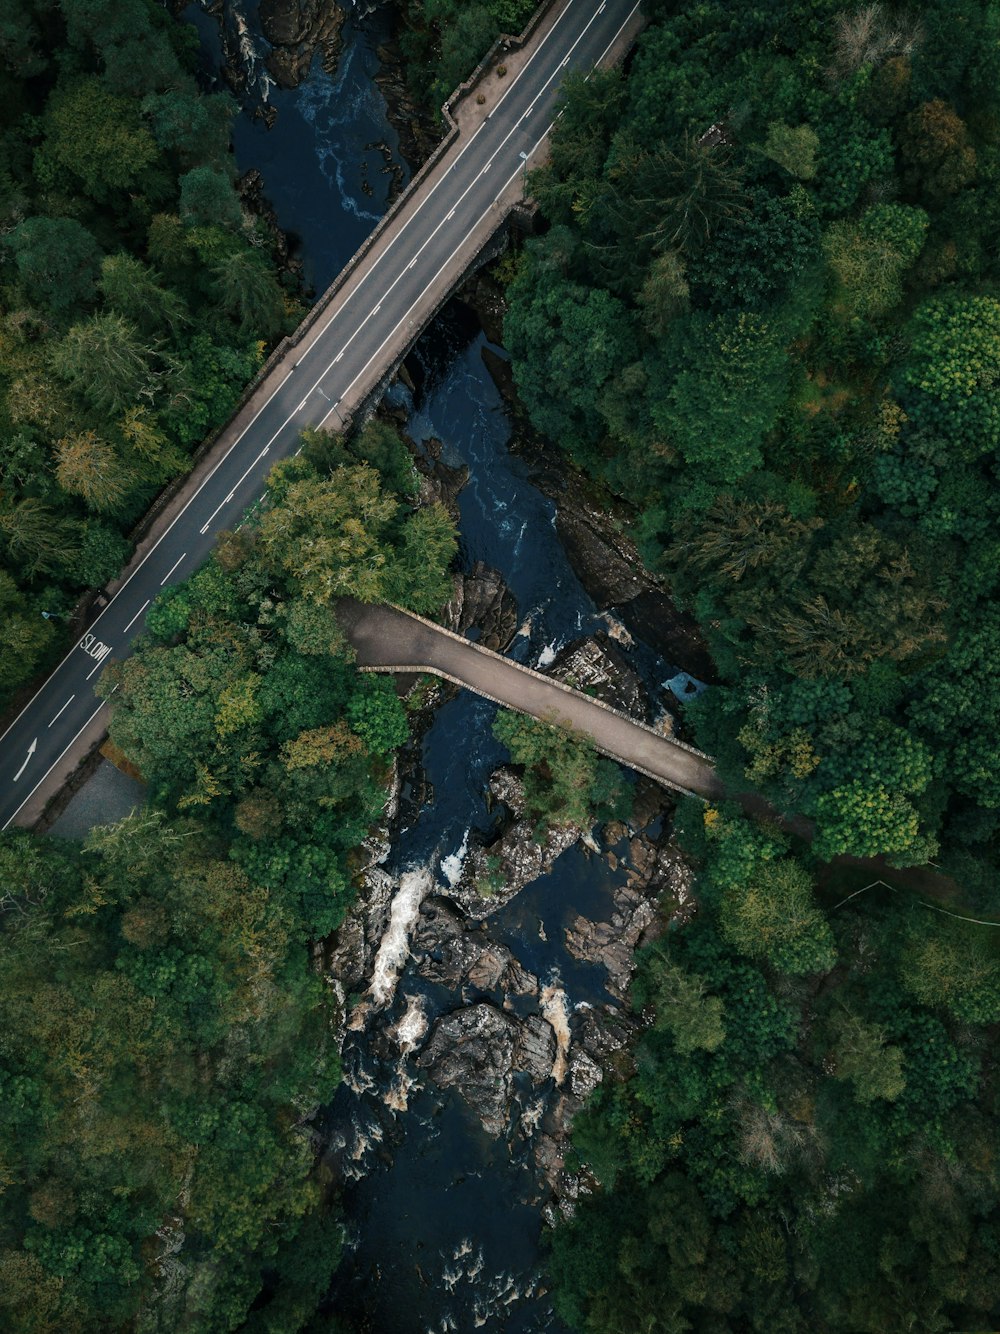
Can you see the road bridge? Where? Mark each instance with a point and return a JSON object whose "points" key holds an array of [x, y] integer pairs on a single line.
{"points": [[360, 329]]}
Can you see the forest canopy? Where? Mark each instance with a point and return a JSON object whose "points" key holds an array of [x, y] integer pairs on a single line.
{"points": [[167, 1034], [764, 310], [137, 295]]}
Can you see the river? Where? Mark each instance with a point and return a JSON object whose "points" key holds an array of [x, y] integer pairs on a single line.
{"points": [[444, 1219]]}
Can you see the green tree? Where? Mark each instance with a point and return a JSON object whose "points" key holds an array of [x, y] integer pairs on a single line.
{"points": [[673, 199], [863, 1056], [88, 467], [208, 199], [28, 635], [947, 383], [103, 553], [57, 261], [959, 709], [189, 124], [565, 783], [864, 819], [136, 292], [695, 1019], [377, 715], [568, 342], [935, 142], [248, 292], [331, 534], [35, 538], [97, 138], [707, 364], [793, 147], [773, 918], [420, 578], [106, 361], [954, 964], [869, 257]]}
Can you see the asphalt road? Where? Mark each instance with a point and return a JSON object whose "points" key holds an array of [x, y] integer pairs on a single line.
{"points": [[337, 363]]}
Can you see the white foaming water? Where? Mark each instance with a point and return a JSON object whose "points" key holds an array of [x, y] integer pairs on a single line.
{"points": [[397, 1095], [395, 944], [547, 656], [555, 1009], [413, 1025], [451, 867], [502, 1290], [359, 1080], [254, 67]]}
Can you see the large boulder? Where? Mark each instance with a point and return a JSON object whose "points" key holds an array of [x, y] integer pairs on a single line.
{"points": [[295, 31], [478, 1049], [597, 667], [614, 943], [453, 952], [483, 601]]}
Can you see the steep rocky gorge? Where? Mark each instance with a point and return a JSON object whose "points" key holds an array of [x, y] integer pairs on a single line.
{"points": [[521, 1051]]}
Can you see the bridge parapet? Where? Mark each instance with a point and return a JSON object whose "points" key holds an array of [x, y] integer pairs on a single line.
{"points": [[505, 45], [549, 680], [416, 669]]}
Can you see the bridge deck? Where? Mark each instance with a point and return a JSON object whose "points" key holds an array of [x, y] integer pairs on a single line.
{"points": [[387, 639]]}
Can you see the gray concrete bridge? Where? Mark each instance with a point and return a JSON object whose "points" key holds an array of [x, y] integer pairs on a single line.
{"points": [[387, 639]]}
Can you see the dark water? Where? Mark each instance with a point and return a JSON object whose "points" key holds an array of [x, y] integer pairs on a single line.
{"points": [[444, 1220], [331, 157]]}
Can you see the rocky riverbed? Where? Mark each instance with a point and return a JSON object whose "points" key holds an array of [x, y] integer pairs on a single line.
{"points": [[485, 970], [519, 1049]]}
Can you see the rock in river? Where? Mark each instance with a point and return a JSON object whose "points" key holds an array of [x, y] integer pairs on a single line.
{"points": [[482, 599], [296, 30], [476, 1050], [451, 952], [597, 667]]}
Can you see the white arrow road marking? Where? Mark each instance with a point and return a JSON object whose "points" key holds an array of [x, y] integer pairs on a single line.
{"points": [[31, 751]]}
